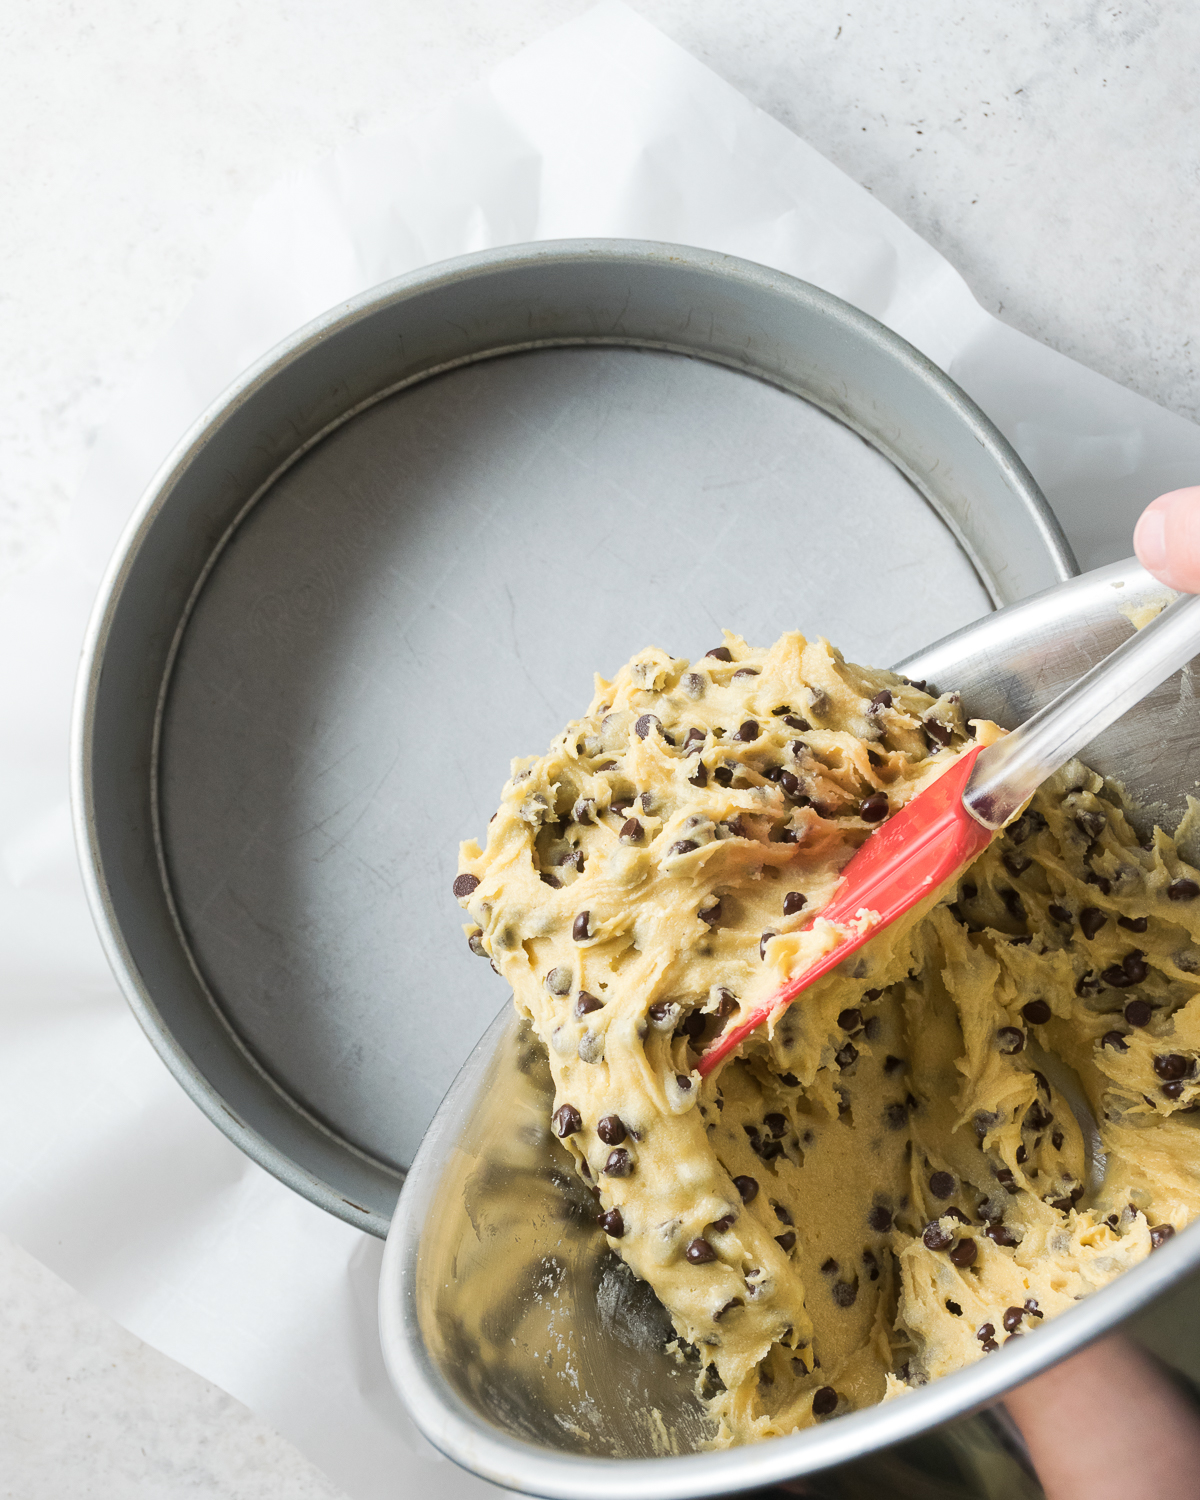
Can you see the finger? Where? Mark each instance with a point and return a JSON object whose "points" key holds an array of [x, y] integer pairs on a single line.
{"points": [[1167, 539]]}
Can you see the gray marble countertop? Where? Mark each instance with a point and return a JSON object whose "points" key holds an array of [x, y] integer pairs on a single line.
{"points": [[1051, 154]]}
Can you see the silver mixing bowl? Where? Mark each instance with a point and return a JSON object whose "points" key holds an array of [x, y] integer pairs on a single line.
{"points": [[529, 1354]]}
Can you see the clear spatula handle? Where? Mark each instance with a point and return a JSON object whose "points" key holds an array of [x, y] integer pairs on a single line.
{"points": [[1011, 770]]}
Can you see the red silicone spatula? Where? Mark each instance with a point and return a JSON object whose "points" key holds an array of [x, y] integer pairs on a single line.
{"points": [[942, 829]]}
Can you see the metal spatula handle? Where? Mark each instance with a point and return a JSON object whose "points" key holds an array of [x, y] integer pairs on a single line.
{"points": [[1010, 771]]}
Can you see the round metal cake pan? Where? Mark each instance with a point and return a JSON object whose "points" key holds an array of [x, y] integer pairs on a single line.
{"points": [[390, 556]]}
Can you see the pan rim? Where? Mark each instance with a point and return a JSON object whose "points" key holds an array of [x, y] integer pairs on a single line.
{"points": [[239, 394]]}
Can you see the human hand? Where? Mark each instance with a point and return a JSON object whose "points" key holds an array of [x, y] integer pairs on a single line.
{"points": [[1108, 1423], [1167, 539]]}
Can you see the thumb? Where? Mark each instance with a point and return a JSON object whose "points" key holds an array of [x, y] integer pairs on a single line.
{"points": [[1167, 539]]}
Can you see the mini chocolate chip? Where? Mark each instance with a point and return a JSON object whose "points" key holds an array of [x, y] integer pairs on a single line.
{"points": [[631, 829], [747, 731], [1060, 913], [1091, 920], [786, 1240], [793, 902], [1056, 1140], [776, 1124], [1037, 1012], [465, 884], [879, 702], [660, 1010], [700, 1252], [850, 1020], [1160, 1234], [1086, 984], [683, 1082], [475, 943], [552, 881], [942, 1185], [1001, 1234], [1135, 966], [1133, 924], [746, 672], [711, 914], [824, 1401], [612, 1223], [895, 1116], [701, 776], [792, 785], [872, 1028], [611, 1130], [1010, 1040], [684, 846], [1183, 890], [1012, 1317], [953, 1308], [797, 723], [566, 1120], [1172, 1065], [830, 1267], [1138, 1012], [762, 944], [1172, 1090], [558, 980], [720, 653], [890, 1063], [880, 1219], [937, 732], [1031, 1307], [874, 809], [1101, 882], [935, 1237], [1091, 824], [844, 1293], [645, 724], [586, 1004], [846, 1055], [583, 810], [619, 1163], [964, 1253], [1115, 1040], [789, 1080], [619, 806], [747, 1187], [725, 1223], [729, 1306], [985, 1331]]}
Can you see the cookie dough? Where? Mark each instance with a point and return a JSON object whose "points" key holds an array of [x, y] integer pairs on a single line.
{"points": [[979, 1118]]}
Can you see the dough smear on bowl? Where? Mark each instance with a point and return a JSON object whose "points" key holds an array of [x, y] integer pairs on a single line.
{"points": [[982, 1116]]}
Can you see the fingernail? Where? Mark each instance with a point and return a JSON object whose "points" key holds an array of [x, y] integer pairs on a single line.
{"points": [[1150, 540]]}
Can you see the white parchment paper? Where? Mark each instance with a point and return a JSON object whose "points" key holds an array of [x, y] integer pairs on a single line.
{"points": [[107, 1172]]}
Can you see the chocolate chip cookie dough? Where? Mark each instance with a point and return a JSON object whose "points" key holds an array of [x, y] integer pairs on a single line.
{"points": [[979, 1118]]}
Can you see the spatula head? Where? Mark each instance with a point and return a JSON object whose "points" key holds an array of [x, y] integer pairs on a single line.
{"points": [[905, 860]]}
